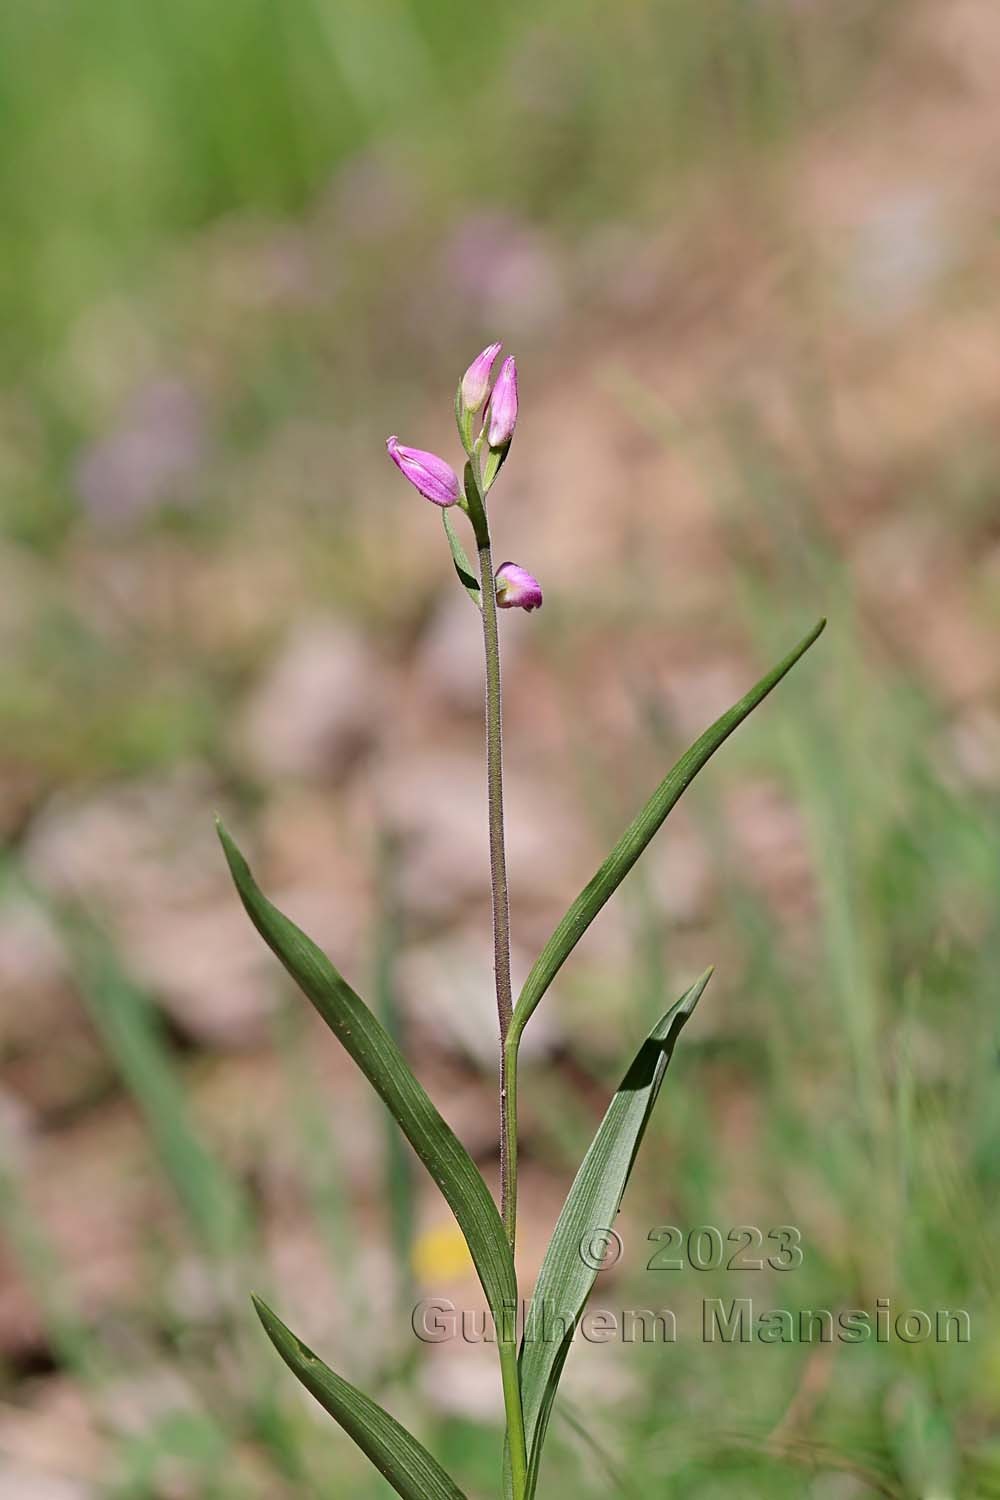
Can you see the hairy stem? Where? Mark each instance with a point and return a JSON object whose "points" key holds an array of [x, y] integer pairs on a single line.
{"points": [[498, 883]]}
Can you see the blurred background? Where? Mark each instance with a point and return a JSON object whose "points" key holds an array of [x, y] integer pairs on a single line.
{"points": [[747, 255]]}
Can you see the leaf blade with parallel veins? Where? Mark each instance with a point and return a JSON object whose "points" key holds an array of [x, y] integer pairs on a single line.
{"points": [[406, 1464], [567, 1277], [382, 1063]]}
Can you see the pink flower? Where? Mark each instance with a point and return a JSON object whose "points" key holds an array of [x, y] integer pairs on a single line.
{"points": [[435, 479], [503, 405], [517, 588], [476, 380]]}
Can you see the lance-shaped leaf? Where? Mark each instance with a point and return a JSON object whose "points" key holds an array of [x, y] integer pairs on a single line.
{"points": [[568, 1274], [382, 1063], [406, 1464], [638, 834]]}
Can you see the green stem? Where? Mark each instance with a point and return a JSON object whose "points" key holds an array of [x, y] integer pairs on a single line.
{"points": [[507, 1340], [498, 884], [516, 1448], [508, 1133]]}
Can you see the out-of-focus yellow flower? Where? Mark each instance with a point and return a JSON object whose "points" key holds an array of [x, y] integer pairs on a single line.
{"points": [[440, 1254]]}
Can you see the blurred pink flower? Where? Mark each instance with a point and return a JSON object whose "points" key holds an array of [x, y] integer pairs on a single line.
{"points": [[501, 269], [517, 588], [150, 459], [435, 479]]}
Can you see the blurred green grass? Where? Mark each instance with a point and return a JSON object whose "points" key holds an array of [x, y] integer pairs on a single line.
{"points": [[130, 128], [127, 125], [865, 1061]]}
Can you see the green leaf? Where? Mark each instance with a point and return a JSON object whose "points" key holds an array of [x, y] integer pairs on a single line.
{"points": [[638, 834], [406, 1464], [495, 460], [565, 1280], [382, 1063], [463, 567]]}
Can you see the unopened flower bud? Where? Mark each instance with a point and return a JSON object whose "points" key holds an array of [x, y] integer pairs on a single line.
{"points": [[503, 405], [435, 479], [476, 380], [517, 588]]}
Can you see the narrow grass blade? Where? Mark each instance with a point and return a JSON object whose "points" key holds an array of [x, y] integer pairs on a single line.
{"points": [[28, 1246], [459, 557], [404, 1462], [619, 1478], [133, 1033], [565, 1280], [382, 1063], [639, 833], [320, 1158]]}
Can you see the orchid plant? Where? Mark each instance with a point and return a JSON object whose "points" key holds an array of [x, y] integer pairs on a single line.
{"points": [[486, 412]]}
